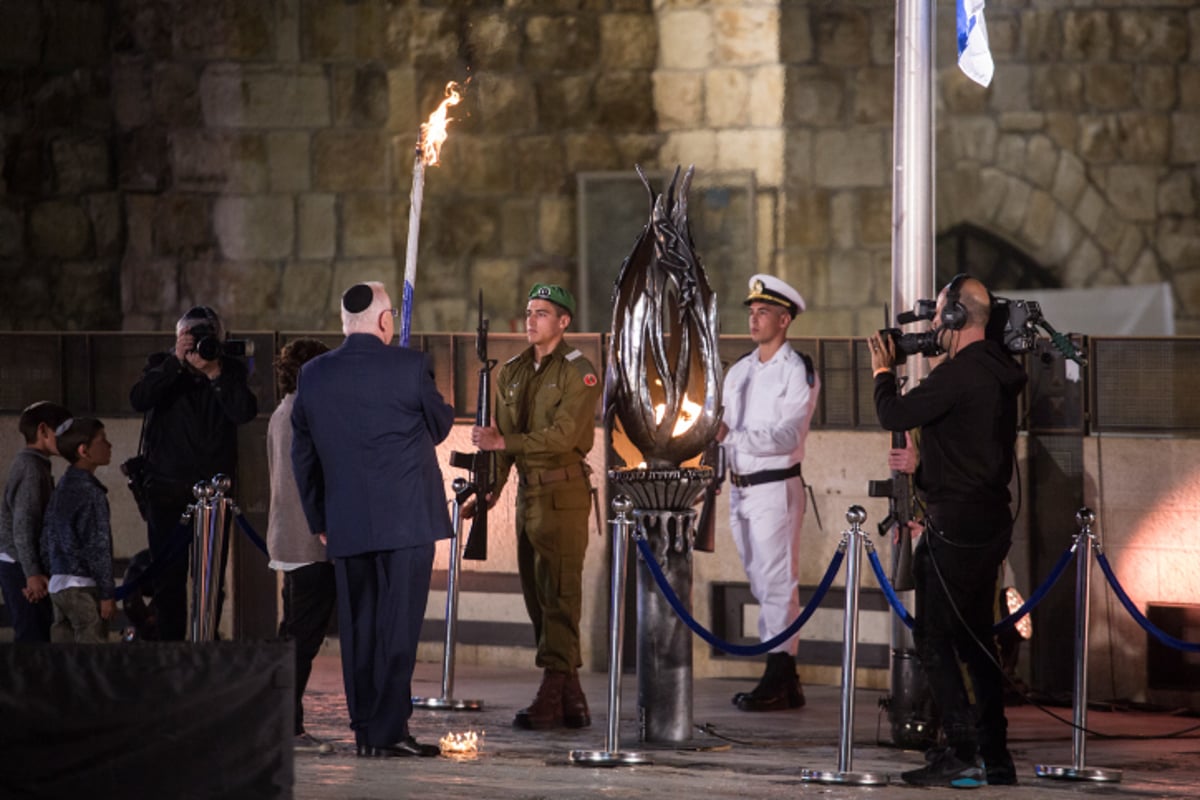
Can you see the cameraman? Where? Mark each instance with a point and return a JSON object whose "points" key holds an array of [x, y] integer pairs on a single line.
{"points": [[967, 412], [194, 397]]}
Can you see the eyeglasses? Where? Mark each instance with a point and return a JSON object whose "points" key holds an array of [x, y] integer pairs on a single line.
{"points": [[395, 312]]}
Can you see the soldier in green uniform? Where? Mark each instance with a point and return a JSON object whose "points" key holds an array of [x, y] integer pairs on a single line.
{"points": [[544, 422]]}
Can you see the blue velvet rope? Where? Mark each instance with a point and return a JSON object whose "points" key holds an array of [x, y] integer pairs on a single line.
{"points": [[888, 591], [737, 649], [251, 535], [1040, 593], [1008, 621], [1150, 627]]}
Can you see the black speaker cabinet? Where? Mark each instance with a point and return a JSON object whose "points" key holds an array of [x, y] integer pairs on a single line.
{"points": [[152, 719]]}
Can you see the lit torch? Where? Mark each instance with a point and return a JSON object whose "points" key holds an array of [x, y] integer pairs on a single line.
{"points": [[461, 745], [429, 148]]}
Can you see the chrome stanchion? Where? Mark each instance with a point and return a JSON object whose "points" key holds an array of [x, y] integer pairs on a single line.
{"points": [[210, 536], [854, 539], [611, 755], [447, 702], [1084, 542]]}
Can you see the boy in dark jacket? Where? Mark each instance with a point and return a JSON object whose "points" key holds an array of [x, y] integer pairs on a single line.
{"points": [[77, 539]]}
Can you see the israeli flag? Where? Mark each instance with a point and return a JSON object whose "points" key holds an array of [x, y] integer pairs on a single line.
{"points": [[974, 57]]}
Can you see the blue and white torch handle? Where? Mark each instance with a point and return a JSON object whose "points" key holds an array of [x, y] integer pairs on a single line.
{"points": [[410, 254]]}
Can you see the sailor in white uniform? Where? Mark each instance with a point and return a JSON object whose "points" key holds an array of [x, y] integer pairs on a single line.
{"points": [[770, 394]]}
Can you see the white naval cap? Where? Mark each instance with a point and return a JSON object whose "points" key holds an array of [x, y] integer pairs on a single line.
{"points": [[769, 289]]}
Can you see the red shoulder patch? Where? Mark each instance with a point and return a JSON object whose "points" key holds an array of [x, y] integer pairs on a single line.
{"points": [[589, 379]]}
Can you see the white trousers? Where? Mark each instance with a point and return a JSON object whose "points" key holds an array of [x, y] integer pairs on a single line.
{"points": [[765, 521]]}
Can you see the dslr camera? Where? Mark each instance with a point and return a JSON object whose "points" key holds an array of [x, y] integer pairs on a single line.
{"points": [[924, 343], [210, 348]]}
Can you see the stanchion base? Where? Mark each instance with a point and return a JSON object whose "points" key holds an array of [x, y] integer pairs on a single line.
{"points": [[844, 778], [608, 758], [447, 704], [1095, 774]]}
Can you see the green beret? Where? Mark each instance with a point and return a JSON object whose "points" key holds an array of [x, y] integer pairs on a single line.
{"points": [[555, 294]]}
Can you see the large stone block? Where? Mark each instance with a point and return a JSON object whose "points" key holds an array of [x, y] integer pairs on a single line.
{"points": [[139, 225], [1158, 89], [236, 96], [453, 228], [1151, 34], [1082, 264], [1090, 209], [628, 41], [59, 229], [505, 103], [1064, 235], [637, 148], [12, 234], [854, 157], [726, 97], [130, 90], [149, 286], [224, 29], [814, 96], [806, 219], [757, 150], [852, 276], [1108, 86], [1087, 35], [254, 227], [539, 163], [347, 272], [974, 138], [335, 30], [244, 292], [841, 35], [679, 98], [624, 101], [1097, 139], [1178, 243], [349, 161], [799, 169], [685, 39], [142, 162], [1142, 138], [403, 115], [81, 163], [746, 35], [1010, 89], [1070, 178], [518, 226], [1042, 161], [1039, 220], [495, 41], [767, 88], [843, 220], [316, 222], [565, 101], [175, 94], [874, 96], [690, 147], [87, 296], [1057, 87], [366, 225], [478, 164], [959, 94], [1185, 138], [1177, 193], [1011, 214], [183, 225], [586, 152], [288, 161], [556, 226], [216, 161], [560, 42], [1041, 35], [875, 216], [503, 290], [795, 34], [307, 289], [1011, 152], [360, 96]]}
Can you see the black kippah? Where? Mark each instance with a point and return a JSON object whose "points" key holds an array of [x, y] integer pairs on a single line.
{"points": [[357, 298]]}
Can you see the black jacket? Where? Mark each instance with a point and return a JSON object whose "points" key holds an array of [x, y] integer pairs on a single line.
{"points": [[966, 409], [191, 430]]}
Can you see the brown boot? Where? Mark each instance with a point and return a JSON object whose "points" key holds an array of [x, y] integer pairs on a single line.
{"points": [[574, 704], [546, 710], [779, 688]]}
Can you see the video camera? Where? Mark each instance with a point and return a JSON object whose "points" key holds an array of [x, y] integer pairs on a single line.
{"points": [[1013, 324], [210, 348]]}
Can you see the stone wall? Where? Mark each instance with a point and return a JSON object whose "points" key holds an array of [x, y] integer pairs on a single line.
{"points": [[256, 154]]}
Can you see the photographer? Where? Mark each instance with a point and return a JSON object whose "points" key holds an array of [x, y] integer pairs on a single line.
{"points": [[194, 397], [967, 412]]}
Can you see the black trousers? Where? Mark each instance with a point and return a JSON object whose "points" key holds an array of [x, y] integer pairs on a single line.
{"points": [[30, 621], [381, 600], [308, 598], [955, 611], [169, 550]]}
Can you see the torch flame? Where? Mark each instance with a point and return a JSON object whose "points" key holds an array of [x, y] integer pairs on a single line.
{"points": [[689, 412], [433, 132], [460, 744]]}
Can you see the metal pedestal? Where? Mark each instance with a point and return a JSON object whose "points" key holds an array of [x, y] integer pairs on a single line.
{"points": [[853, 539], [211, 517], [1084, 542], [447, 701], [611, 755]]}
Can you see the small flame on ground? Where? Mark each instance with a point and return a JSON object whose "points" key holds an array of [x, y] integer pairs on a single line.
{"points": [[433, 132], [461, 744], [689, 412]]}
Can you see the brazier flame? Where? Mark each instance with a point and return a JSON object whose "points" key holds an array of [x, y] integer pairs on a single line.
{"points": [[433, 131], [663, 348], [461, 744]]}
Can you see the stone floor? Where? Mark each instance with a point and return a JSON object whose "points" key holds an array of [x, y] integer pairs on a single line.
{"points": [[736, 755]]}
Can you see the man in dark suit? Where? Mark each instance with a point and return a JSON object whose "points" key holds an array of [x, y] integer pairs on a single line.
{"points": [[366, 420]]}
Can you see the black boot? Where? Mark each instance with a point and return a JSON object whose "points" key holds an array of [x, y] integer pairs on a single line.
{"points": [[779, 688]]}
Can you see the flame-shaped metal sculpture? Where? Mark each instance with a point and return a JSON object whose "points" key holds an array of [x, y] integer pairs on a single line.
{"points": [[665, 379]]}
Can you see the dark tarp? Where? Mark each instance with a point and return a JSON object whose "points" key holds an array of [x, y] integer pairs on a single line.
{"points": [[147, 719]]}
